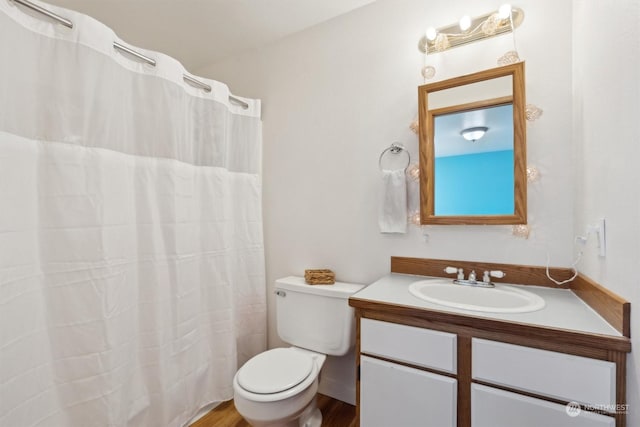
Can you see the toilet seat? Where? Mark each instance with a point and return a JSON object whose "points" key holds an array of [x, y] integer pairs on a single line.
{"points": [[275, 371], [311, 380]]}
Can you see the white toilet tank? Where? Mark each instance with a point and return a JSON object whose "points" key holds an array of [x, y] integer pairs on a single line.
{"points": [[316, 317]]}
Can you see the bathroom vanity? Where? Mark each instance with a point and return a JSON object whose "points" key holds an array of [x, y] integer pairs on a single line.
{"points": [[424, 364]]}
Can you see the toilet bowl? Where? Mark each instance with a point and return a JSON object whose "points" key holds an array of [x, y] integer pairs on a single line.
{"points": [[278, 387]]}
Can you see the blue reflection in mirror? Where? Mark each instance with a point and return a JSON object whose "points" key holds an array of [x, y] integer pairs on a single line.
{"points": [[474, 177]]}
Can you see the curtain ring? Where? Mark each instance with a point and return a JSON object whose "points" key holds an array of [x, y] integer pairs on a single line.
{"points": [[395, 148]]}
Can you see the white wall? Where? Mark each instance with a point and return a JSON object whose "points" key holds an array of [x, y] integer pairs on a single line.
{"points": [[607, 127], [336, 95]]}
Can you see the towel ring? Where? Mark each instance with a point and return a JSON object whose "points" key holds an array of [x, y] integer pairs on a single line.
{"points": [[395, 148]]}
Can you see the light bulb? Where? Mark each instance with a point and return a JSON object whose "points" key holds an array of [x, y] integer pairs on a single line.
{"points": [[505, 11], [532, 174], [428, 71], [414, 172], [532, 112], [414, 218], [521, 230], [431, 34], [465, 23]]}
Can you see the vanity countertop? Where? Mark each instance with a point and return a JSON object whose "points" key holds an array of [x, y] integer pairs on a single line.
{"points": [[564, 311]]}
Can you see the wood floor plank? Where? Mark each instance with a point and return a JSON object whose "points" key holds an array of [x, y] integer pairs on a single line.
{"points": [[334, 414], [223, 415]]}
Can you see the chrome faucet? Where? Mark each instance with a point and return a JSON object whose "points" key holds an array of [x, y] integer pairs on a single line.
{"points": [[472, 279]]}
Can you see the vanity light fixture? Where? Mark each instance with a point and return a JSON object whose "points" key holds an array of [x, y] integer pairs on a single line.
{"points": [[475, 133], [467, 30]]}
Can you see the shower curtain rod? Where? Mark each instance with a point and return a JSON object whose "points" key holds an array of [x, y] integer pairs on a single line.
{"points": [[67, 23]]}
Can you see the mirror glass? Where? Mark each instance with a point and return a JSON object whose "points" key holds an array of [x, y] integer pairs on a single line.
{"points": [[472, 149], [474, 177]]}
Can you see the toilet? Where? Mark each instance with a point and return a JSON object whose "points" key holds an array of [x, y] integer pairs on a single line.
{"points": [[278, 387]]}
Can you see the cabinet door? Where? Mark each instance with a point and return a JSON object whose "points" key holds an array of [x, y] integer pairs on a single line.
{"points": [[396, 395], [492, 407]]}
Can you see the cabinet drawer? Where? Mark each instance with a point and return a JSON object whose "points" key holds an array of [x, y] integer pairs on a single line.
{"points": [[491, 407], [559, 375], [417, 346], [396, 395]]}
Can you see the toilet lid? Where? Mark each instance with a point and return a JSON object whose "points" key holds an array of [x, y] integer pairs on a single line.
{"points": [[274, 371]]}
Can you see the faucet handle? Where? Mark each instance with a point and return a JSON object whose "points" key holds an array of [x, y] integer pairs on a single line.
{"points": [[450, 270], [453, 270], [486, 277], [472, 275]]}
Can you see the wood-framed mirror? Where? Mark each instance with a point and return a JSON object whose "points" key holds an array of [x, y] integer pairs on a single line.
{"points": [[473, 148]]}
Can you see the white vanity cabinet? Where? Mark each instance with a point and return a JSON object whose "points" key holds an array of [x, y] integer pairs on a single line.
{"points": [[392, 393], [409, 376]]}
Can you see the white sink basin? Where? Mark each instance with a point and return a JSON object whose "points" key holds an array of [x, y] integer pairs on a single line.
{"points": [[501, 299]]}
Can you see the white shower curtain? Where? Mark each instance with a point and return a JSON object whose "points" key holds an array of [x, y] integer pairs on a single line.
{"points": [[131, 252]]}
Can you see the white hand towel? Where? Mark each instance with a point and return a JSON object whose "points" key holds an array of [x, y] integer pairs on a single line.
{"points": [[393, 203]]}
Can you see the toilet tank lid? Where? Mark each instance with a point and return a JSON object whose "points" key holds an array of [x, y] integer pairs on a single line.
{"points": [[337, 290]]}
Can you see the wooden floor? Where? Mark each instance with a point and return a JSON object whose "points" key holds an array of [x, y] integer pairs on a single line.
{"points": [[334, 414]]}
